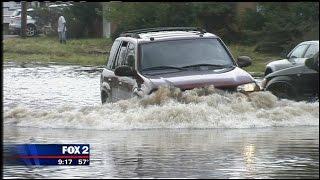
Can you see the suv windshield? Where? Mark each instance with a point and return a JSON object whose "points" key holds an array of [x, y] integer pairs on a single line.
{"points": [[184, 53]]}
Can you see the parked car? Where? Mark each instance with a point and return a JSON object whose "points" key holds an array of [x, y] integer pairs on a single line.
{"points": [[298, 83], [142, 60], [60, 6], [15, 23], [296, 57]]}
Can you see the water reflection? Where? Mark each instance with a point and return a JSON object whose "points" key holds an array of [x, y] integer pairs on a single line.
{"points": [[249, 159], [247, 153]]}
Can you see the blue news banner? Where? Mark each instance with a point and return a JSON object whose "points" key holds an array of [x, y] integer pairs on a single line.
{"points": [[47, 154]]}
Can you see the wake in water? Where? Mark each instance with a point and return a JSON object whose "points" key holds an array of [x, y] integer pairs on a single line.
{"points": [[171, 108]]}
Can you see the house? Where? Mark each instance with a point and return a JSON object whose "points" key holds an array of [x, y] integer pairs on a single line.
{"points": [[7, 9]]}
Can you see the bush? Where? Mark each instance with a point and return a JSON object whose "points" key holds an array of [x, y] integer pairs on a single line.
{"points": [[249, 37], [253, 20], [287, 24], [83, 20], [278, 27], [269, 47]]}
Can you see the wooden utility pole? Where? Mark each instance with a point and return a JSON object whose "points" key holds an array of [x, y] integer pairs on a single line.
{"points": [[23, 19]]}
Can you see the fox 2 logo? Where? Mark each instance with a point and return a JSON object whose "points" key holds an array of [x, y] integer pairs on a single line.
{"points": [[75, 150]]}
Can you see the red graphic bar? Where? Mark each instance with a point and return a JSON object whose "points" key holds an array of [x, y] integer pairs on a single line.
{"points": [[53, 157]]}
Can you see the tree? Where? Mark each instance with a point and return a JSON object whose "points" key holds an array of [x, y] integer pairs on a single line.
{"points": [[285, 24], [23, 18], [211, 16], [82, 19]]}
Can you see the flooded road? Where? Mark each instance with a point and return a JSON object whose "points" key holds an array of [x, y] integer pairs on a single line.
{"points": [[46, 86], [221, 135]]}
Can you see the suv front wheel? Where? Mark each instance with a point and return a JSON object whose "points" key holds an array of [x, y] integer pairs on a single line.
{"points": [[31, 30]]}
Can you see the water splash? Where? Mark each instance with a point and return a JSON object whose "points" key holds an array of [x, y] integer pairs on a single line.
{"points": [[171, 108]]}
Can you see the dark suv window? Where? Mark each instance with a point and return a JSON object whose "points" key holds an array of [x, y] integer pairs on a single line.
{"points": [[184, 52], [121, 54], [130, 58]]}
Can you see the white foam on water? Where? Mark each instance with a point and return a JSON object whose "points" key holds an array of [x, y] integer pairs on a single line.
{"points": [[171, 108]]}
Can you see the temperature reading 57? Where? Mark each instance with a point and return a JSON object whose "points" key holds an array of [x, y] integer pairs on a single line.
{"points": [[83, 161]]}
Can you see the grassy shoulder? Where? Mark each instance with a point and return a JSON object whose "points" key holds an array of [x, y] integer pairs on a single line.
{"points": [[259, 60], [95, 52], [45, 49]]}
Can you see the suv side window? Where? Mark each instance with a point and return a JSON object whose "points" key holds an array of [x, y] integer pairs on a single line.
{"points": [[298, 51], [312, 50], [113, 53], [121, 54]]}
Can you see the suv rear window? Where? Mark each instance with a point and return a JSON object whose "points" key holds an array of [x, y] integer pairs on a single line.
{"points": [[184, 52]]}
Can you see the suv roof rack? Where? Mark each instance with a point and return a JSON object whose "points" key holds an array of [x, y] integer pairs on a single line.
{"points": [[134, 33]]}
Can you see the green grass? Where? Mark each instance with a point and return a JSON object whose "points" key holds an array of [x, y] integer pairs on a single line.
{"points": [[259, 60], [44, 49], [95, 52], [46, 58]]}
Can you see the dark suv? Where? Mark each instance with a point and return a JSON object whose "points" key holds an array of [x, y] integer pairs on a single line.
{"points": [[184, 57], [300, 82]]}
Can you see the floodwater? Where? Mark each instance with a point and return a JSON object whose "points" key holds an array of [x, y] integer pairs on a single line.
{"points": [[220, 135]]}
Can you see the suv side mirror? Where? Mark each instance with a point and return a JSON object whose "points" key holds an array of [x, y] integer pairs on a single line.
{"points": [[123, 71], [244, 61]]}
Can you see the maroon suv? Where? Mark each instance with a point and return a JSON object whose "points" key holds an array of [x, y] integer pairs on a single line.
{"points": [[142, 60]]}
